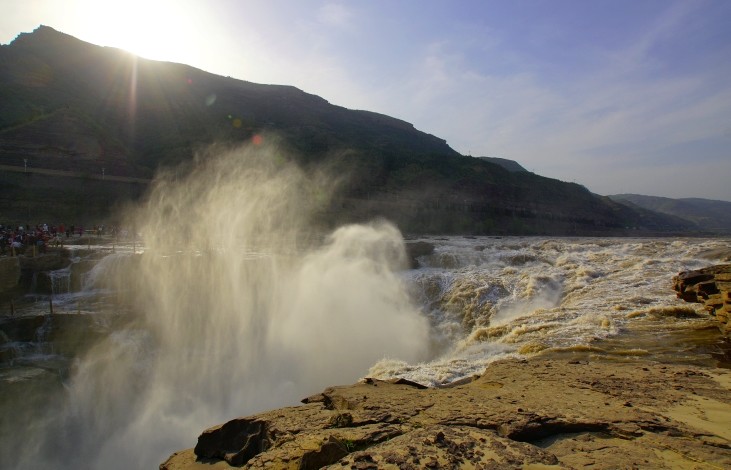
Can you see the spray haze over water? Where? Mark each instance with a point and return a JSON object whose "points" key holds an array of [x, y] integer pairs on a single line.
{"points": [[242, 302], [242, 307]]}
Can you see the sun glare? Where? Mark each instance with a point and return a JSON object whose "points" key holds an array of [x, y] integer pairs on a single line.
{"points": [[160, 30]]}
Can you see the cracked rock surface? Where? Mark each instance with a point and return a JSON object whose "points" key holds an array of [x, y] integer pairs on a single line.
{"points": [[518, 414]]}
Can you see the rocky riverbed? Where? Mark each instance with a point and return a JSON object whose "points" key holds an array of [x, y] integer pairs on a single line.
{"points": [[521, 413], [518, 414]]}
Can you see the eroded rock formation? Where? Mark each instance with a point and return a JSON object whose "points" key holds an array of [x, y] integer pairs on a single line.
{"points": [[710, 286], [519, 413]]}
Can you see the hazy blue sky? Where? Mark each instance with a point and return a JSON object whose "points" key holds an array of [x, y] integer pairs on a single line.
{"points": [[621, 96]]}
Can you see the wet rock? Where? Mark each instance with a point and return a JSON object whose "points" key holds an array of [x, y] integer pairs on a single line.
{"points": [[415, 250], [36, 271], [9, 274], [21, 329], [717, 254], [711, 287], [45, 262], [78, 271], [65, 334]]}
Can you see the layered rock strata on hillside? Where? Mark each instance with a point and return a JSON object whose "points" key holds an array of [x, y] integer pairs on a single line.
{"points": [[710, 286], [519, 414]]}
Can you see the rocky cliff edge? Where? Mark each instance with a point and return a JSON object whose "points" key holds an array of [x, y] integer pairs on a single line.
{"points": [[711, 287], [518, 414]]}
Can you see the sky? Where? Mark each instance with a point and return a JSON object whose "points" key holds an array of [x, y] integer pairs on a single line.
{"points": [[622, 96]]}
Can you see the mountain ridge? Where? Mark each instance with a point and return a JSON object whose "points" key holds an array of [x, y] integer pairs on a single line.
{"points": [[70, 105], [713, 216], [510, 165]]}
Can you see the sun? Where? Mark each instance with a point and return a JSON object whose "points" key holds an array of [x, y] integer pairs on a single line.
{"points": [[154, 29]]}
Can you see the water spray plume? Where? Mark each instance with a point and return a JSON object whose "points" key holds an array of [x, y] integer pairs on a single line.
{"points": [[242, 306]]}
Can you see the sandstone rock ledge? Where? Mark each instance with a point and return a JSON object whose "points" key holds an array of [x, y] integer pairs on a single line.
{"points": [[711, 287], [533, 414]]}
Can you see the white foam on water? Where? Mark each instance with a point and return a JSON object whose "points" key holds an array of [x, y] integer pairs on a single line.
{"points": [[563, 293]]}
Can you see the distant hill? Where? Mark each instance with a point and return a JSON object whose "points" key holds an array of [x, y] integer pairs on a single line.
{"points": [[708, 215], [99, 122], [510, 165]]}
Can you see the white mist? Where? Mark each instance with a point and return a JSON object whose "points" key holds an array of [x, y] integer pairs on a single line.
{"points": [[241, 309]]}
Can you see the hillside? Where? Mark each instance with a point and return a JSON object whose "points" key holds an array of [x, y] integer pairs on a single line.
{"points": [[510, 165], [100, 106], [709, 215], [100, 113]]}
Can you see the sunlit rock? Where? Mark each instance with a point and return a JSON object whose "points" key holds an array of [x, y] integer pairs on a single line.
{"points": [[710, 286], [519, 413]]}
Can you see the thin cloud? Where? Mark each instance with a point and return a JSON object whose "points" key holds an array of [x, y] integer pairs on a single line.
{"points": [[618, 114], [335, 15]]}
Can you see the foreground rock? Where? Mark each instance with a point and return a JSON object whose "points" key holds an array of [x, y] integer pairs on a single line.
{"points": [[415, 249], [529, 414], [15, 269], [710, 286]]}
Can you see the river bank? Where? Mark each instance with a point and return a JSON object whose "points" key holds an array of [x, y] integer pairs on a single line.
{"points": [[532, 413]]}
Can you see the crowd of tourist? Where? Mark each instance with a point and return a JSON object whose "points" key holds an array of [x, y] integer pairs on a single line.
{"points": [[16, 239]]}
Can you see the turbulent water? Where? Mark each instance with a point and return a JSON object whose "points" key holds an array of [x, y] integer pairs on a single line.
{"points": [[602, 299], [237, 306]]}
